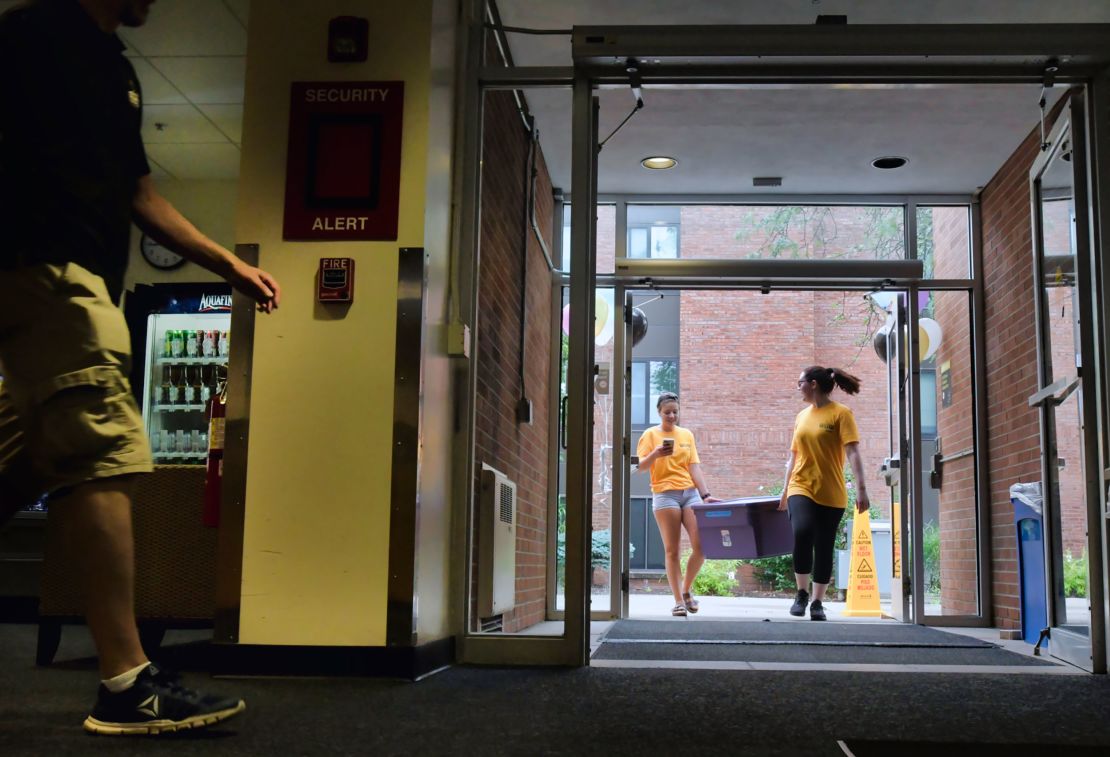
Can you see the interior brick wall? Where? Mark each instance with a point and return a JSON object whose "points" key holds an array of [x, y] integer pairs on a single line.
{"points": [[1013, 444], [520, 451]]}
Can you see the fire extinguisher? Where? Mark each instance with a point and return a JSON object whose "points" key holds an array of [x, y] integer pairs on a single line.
{"points": [[214, 474]]}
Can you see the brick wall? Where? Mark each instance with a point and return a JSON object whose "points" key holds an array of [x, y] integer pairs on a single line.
{"points": [[741, 353], [959, 569], [1013, 435], [517, 450], [1069, 435]]}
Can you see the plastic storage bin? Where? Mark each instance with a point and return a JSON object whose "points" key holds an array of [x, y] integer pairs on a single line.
{"points": [[745, 528]]}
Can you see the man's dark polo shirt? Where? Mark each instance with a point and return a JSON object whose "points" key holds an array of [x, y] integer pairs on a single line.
{"points": [[71, 151]]}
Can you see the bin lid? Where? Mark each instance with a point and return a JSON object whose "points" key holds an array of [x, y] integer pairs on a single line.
{"points": [[1028, 495], [762, 500]]}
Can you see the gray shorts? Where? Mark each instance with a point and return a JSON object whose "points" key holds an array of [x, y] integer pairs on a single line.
{"points": [[676, 499]]}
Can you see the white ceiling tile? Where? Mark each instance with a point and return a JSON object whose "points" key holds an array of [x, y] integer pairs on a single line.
{"points": [[182, 124], [156, 170], [156, 88], [241, 8], [189, 27], [228, 118], [216, 80], [198, 161]]}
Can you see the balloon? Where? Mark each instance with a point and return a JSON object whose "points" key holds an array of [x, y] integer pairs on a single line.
{"points": [[929, 337], [885, 300], [879, 341], [603, 317], [639, 326], [929, 334]]}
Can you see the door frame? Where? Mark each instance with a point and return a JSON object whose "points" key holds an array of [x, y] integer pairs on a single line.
{"points": [[1087, 652], [994, 53]]}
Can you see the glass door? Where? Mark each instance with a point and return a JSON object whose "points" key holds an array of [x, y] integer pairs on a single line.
{"points": [[891, 346], [1066, 395]]}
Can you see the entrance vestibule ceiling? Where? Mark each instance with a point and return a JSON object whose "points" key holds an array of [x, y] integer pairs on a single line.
{"points": [[821, 139]]}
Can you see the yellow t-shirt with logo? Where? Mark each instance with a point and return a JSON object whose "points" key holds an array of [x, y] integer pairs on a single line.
{"points": [[820, 434], [669, 472]]}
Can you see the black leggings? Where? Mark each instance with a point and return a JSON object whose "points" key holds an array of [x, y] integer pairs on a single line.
{"points": [[814, 533]]}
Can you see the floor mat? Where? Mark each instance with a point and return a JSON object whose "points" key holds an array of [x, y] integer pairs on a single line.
{"points": [[952, 749], [788, 632], [801, 643]]}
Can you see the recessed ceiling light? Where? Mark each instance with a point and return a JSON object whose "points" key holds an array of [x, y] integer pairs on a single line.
{"points": [[890, 161], [658, 162]]}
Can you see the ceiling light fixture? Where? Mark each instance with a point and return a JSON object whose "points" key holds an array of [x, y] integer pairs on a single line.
{"points": [[658, 162], [890, 161]]}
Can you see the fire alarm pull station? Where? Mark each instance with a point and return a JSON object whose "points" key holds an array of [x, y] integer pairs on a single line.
{"points": [[336, 281]]}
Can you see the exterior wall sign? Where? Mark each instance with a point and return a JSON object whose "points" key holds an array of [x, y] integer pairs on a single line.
{"points": [[946, 384], [344, 163]]}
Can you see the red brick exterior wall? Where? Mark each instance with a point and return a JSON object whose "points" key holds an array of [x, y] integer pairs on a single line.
{"points": [[1061, 317], [959, 569], [517, 450]]}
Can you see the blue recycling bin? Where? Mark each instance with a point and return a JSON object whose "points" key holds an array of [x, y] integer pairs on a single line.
{"points": [[1029, 522]]}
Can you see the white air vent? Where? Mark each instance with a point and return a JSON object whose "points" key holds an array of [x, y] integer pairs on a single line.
{"points": [[496, 544]]}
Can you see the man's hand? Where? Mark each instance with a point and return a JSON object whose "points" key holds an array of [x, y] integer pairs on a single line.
{"points": [[258, 285], [782, 500]]}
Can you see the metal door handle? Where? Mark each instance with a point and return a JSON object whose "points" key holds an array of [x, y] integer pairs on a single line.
{"points": [[1056, 392]]}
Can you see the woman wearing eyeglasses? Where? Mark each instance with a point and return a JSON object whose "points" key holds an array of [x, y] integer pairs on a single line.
{"points": [[676, 484], [815, 492]]}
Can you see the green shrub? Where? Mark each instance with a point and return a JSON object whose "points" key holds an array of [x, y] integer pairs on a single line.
{"points": [[717, 578], [1075, 575], [776, 571], [930, 544]]}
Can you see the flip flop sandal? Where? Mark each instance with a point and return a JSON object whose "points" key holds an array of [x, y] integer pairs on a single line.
{"points": [[690, 603], [679, 611]]}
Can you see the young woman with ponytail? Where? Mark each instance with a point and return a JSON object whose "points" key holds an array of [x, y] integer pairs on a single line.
{"points": [[815, 492]]}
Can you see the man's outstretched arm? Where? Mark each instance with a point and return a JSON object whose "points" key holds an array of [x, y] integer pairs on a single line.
{"points": [[156, 216]]}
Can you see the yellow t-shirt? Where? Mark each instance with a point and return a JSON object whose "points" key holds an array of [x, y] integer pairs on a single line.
{"points": [[820, 434], [670, 472]]}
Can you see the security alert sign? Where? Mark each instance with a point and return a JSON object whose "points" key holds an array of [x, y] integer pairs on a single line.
{"points": [[343, 170]]}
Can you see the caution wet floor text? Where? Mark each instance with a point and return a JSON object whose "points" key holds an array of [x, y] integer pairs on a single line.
{"points": [[863, 584]]}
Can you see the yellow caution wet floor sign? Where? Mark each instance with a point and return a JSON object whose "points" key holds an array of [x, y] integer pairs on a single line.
{"points": [[863, 584]]}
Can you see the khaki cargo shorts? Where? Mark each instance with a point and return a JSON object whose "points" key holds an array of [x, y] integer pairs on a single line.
{"points": [[67, 414]]}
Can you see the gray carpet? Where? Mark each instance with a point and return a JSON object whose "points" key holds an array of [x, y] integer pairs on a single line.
{"points": [[590, 711]]}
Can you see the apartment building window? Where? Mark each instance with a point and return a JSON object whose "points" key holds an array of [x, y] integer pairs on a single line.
{"points": [[649, 379], [653, 231]]}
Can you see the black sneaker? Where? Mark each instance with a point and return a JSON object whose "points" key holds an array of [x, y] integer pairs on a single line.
{"points": [[817, 610], [157, 703], [799, 607]]}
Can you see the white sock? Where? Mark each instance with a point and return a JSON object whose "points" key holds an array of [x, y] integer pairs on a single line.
{"points": [[124, 681]]}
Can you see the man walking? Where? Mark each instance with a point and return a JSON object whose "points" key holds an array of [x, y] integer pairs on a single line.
{"points": [[73, 177]]}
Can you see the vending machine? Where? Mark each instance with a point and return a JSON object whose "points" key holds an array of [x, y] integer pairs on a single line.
{"points": [[183, 334]]}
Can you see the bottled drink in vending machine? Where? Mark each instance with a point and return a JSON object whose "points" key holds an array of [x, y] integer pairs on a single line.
{"points": [[225, 343], [178, 344], [167, 343], [193, 341], [166, 395], [209, 347]]}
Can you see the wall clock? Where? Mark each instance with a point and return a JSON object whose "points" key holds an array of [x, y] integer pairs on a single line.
{"points": [[158, 256]]}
